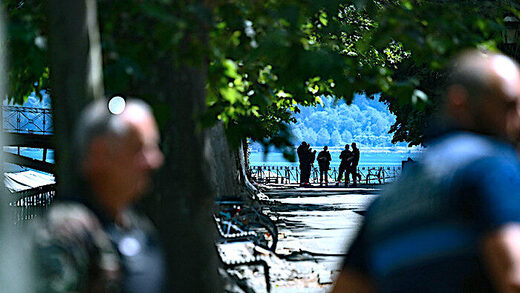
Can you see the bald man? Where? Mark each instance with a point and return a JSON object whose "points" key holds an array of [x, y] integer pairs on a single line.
{"points": [[92, 240], [452, 222]]}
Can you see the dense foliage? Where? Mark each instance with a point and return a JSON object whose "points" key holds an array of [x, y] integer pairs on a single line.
{"points": [[266, 59], [366, 122], [433, 32]]}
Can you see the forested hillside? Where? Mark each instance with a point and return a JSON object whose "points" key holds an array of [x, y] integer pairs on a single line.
{"points": [[365, 122]]}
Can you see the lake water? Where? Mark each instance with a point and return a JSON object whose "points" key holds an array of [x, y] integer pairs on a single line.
{"points": [[34, 153], [366, 158]]}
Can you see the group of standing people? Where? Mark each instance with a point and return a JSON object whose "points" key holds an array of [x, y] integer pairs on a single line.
{"points": [[306, 156], [349, 162]]}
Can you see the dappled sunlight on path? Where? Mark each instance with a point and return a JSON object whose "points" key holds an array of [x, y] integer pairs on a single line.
{"points": [[315, 227]]}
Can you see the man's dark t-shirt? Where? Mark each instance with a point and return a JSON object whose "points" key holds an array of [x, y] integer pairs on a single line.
{"points": [[324, 160], [355, 156], [302, 155], [346, 158], [423, 234]]}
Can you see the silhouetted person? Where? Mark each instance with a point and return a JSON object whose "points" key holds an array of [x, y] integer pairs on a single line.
{"points": [[312, 158], [354, 163], [92, 240], [312, 154], [324, 164], [452, 222], [303, 159], [344, 166]]}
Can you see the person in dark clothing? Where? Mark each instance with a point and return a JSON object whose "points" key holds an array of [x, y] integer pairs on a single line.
{"points": [[344, 166], [324, 164], [353, 166], [302, 152], [451, 223], [312, 158]]}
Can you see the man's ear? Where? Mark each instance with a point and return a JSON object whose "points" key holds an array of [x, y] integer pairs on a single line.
{"points": [[457, 104], [457, 97]]}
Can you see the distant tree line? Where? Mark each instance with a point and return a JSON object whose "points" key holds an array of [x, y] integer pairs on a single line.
{"points": [[365, 121]]}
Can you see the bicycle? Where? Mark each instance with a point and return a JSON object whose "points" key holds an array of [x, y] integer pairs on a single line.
{"points": [[234, 218]]}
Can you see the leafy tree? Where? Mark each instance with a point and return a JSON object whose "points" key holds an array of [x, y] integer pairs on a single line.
{"points": [[335, 138], [267, 58], [298, 134], [346, 136], [318, 120], [431, 32], [323, 137], [310, 136], [27, 36], [339, 116]]}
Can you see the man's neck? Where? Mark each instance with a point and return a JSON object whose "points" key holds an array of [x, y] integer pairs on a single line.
{"points": [[109, 200]]}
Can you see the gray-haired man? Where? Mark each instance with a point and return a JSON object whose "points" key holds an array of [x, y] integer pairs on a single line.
{"points": [[92, 241]]}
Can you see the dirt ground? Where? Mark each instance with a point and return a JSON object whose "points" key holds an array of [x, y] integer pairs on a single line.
{"points": [[315, 226]]}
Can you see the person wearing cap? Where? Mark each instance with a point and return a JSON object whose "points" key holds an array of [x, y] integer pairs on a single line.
{"points": [[451, 222], [92, 240]]}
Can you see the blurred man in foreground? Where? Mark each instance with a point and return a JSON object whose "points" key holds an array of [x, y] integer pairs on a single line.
{"points": [[92, 241], [452, 222]]}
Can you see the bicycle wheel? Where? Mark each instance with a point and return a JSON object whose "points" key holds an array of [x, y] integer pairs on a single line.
{"points": [[265, 228]]}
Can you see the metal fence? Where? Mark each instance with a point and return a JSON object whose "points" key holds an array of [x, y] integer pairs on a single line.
{"points": [[27, 120], [291, 175], [31, 203]]}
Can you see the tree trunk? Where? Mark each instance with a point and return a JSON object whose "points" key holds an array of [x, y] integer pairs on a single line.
{"points": [[14, 268], [76, 75], [228, 167], [185, 214], [244, 170]]}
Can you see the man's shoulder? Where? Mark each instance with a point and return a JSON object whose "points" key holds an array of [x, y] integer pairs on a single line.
{"points": [[68, 242], [460, 149], [71, 211], [469, 143], [68, 221]]}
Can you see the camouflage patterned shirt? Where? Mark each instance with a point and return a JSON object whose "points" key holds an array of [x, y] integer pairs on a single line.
{"points": [[76, 251]]}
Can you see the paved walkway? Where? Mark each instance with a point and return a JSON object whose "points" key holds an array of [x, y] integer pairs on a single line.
{"points": [[315, 227]]}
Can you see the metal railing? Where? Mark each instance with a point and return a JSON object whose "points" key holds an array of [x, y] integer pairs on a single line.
{"points": [[27, 120], [31, 203], [291, 174]]}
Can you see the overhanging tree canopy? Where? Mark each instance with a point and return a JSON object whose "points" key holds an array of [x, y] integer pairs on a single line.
{"points": [[267, 58]]}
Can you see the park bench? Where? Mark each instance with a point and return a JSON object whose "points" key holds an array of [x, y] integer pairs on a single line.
{"points": [[243, 253], [375, 174]]}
